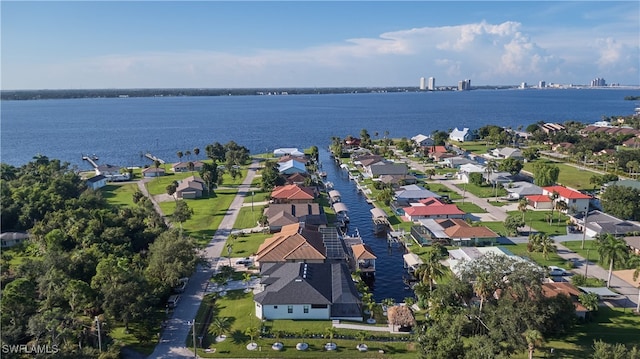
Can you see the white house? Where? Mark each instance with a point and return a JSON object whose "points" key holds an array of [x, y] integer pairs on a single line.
{"points": [[467, 169], [576, 202], [507, 152], [10, 239], [423, 140], [97, 182], [292, 166], [314, 291], [290, 151], [461, 135]]}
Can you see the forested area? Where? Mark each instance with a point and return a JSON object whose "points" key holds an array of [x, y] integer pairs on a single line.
{"points": [[86, 263]]}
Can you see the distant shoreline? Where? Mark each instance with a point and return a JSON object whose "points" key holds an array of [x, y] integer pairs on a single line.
{"points": [[9, 95]]}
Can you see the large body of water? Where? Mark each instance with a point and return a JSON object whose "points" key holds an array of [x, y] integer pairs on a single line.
{"points": [[119, 130]]}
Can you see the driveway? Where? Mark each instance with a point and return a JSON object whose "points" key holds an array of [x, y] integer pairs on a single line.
{"points": [[172, 340]]}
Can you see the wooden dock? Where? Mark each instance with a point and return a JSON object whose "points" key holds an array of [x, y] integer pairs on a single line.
{"points": [[90, 160], [153, 158]]}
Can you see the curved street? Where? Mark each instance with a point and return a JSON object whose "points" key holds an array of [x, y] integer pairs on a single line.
{"points": [[173, 337]]}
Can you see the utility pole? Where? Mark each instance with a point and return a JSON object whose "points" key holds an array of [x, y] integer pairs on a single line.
{"points": [[584, 227], [99, 334], [586, 268], [193, 331]]}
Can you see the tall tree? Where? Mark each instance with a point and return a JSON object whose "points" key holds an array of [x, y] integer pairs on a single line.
{"points": [[533, 338], [431, 269], [545, 174], [171, 257], [611, 249], [182, 213]]}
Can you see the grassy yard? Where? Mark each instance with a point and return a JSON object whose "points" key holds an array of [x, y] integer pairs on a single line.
{"points": [[478, 147], [246, 245], [258, 196], [589, 245], [569, 176], [208, 213], [520, 249], [159, 185], [239, 307], [483, 191], [442, 190], [469, 207], [120, 195], [497, 227], [538, 221], [248, 218]]}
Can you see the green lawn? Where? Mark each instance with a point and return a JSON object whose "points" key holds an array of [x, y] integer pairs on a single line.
{"points": [[538, 221], [520, 249], [239, 307], [120, 195], [159, 185], [208, 213], [589, 245], [497, 227], [483, 191], [442, 190], [258, 196], [478, 147], [569, 176], [248, 218], [247, 245], [469, 207]]}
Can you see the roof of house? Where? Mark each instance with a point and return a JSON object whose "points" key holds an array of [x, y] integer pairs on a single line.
{"points": [[458, 228], [297, 178], [191, 182], [417, 193], [286, 158], [311, 283], [457, 160], [292, 243], [471, 168], [280, 214], [186, 164], [566, 192], [625, 183], [287, 151], [293, 192], [153, 170], [108, 168], [456, 133], [388, 168], [437, 149], [523, 188], [633, 241], [362, 251], [553, 289], [602, 223], [538, 198], [434, 209], [14, 235], [397, 178], [96, 179], [509, 152], [420, 138], [292, 164]]}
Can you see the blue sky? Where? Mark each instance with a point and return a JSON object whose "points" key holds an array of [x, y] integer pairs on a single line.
{"points": [[216, 44]]}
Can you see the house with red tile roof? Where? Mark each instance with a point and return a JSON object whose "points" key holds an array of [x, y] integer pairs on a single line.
{"points": [[462, 233], [539, 201], [553, 289], [292, 193], [432, 208], [576, 201]]}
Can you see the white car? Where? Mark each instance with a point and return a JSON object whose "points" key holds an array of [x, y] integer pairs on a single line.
{"points": [[556, 271]]}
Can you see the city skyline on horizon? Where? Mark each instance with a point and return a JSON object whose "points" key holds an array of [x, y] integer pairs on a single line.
{"points": [[211, 44]]}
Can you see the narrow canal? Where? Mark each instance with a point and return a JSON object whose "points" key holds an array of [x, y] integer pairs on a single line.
{"points": [[390, 270]]}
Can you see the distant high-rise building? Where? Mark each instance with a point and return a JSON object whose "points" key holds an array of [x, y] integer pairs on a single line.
{"points": [[464, 85], [423, 84], [598, 82], [523, 85], [432, 84], [542, 84]]}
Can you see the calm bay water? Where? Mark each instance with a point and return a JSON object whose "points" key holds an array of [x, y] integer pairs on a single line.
{"points": [[119, 130]]}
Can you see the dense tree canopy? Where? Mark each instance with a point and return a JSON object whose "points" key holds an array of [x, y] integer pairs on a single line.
{"points": [[622, 202]]}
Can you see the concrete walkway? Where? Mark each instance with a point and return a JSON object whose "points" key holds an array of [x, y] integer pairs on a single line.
{"points": [[172, 340]]}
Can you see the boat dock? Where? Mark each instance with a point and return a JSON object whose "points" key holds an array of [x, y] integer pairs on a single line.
{"points": [[91, 160], [154, 158]]}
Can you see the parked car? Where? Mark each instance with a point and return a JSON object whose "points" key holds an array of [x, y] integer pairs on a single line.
{"points": [[246, 262], [182, 285], [556, 271], [173, 301]]}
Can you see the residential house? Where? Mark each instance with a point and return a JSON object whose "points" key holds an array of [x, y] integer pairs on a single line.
{"points": [[107, 170], [460, 256], [599, 223], [352, 142], [423, 140], [562, 147], [633, 242], [624, 183], [551, 128], [412, 194], [498, 177], [462, 233], [364, 258], [10, 239], [378, 169], [575, 201], [367, 160], [553, 289], [428, 232], [190, 187], [97, 182], [539, 201], [441, 156], [297, 178], [521, 189], [455, 162], [290, 151], [432, 208], [279, 215], [153, 172], [461, 135], [286, 158], [467, 169], [294, 243], [292, 166], [293, 193], [181, 167], [398, 180], [507, 152], [610, 130], [313, 291], [633, 142]]}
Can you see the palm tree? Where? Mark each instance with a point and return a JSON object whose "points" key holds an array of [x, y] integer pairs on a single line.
{"points": [[220, 326], [589, 301], [561, 206], [179, 154], [490, 168], [611, 249], [361, 335], [522, 206], [187, 153], [431, 269], [246, 278], [330, 332], [533, 338], [252, 332], [196, 151], [482, 287], [546, 245], [553, 196]]}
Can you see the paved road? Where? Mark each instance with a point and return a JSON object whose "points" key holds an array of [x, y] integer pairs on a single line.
{"points": [[172, 341]]}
